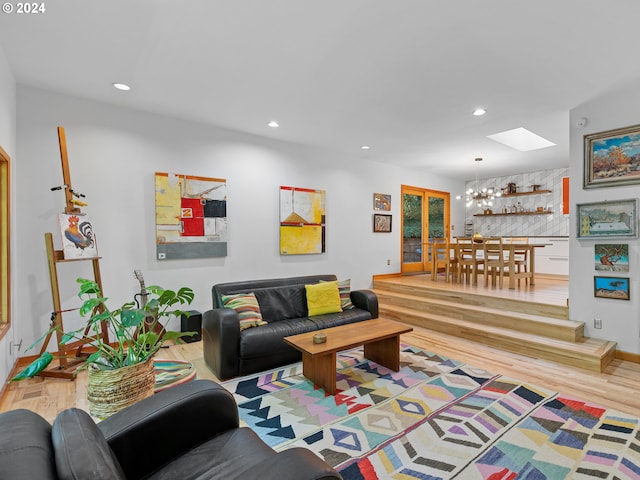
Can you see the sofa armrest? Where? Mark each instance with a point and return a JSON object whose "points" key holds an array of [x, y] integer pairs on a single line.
{"points": [[159, 428], [367, 300], [221, 342], [294, 464]]}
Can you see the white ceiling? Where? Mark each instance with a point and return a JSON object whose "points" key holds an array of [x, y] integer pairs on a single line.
{"points": [[400, 75]]}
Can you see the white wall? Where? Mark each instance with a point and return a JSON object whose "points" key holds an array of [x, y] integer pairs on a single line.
{"points": [[547, 225], [620, 319], [8, 143], [113, 154]]}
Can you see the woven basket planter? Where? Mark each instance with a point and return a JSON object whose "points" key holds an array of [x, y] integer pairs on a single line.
{"points": [[109, 391]]}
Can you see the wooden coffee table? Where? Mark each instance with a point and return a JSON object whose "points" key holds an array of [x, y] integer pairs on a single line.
{"points": [[381, 340]]}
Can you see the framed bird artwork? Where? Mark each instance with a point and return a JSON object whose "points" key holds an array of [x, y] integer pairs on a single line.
{"points": [[78, 239]]}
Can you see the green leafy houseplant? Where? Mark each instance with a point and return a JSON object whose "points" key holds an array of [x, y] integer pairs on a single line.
{"points": [[132, 339]]}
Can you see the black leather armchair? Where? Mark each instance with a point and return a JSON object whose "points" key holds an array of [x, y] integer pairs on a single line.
{"points": [[189, 431]]}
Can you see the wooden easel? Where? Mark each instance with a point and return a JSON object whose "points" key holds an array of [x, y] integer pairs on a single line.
{"points": [[69, 355]]}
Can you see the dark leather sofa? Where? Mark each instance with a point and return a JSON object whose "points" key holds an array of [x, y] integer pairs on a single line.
{"points": [[229, 352], [190, 431]]}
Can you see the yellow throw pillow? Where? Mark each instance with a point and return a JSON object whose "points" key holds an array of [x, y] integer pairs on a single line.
{"points": [[323, 298], [344, 287]]}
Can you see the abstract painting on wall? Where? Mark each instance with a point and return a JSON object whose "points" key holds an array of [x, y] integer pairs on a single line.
{"points": [[302, 221], [191, 216], [78, 239]]}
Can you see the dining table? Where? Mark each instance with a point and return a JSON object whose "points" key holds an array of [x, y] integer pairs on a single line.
{"points": [[510, 248]]}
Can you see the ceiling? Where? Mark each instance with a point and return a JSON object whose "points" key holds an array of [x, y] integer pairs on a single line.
{"points": [[402, 76]]}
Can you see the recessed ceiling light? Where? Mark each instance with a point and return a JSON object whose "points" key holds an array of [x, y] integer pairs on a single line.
{"points": [[365, 147], [122, 86], [521, 139], [478, 112], [273, 124]]}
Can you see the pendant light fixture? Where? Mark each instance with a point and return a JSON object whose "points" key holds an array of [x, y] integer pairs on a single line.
{"points": [[484, 197]]}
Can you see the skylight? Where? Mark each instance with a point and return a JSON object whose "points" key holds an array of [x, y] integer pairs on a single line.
{"points": [[521, 139]]}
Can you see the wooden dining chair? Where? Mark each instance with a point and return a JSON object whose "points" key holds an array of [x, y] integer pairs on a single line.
{"points": [[470, 259], [441, 258], [520, 258], [495, 264]]}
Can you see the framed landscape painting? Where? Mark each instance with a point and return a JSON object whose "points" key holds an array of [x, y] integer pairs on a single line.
{"points": [[611, 287], [612, 158], [617, 218], [611, 257]]}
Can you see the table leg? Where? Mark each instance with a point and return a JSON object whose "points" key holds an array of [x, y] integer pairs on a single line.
{"points": [[532, 266], [321, 370], [385, 352]]}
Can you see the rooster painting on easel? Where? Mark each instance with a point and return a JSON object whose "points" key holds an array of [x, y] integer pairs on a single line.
{"points": [[77, 236]]}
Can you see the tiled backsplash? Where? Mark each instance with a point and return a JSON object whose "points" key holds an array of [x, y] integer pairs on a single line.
{"points": [[550, 225]]}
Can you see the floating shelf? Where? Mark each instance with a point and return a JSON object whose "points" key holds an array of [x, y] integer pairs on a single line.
{"points": [[521, 194], [546, 212]]}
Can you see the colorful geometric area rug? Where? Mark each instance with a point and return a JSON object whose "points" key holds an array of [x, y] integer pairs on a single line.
{"points": [[170, 373], [438, 418]]}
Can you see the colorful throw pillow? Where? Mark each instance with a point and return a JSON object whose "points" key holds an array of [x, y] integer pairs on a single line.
{"points": [[344, 288], [323, 298], [247, 307]]}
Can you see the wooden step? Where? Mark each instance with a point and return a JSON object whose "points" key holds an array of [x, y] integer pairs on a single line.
{"points": [[487, 298], [587, 353], [523, 322], [498, 318]]}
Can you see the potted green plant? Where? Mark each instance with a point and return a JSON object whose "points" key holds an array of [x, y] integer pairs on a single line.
{"points": [[136, 333]]}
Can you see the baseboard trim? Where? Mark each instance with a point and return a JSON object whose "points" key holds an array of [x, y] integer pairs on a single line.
{"points": [[386, 275], [628, 357]]}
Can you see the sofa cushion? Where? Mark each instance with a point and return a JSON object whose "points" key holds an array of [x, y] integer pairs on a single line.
{"points": [[247, 307], [344, 287], [282, 303], [25, 446], [351, 315], [268, 340], [81, 450], [323, 298], [256, 285]]}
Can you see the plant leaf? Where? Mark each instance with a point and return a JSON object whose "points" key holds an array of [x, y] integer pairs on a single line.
{"points": [[69, 336], [186, 295], [131, 318], [175, 335], [35, 367], [89, 305], [88, 287]]}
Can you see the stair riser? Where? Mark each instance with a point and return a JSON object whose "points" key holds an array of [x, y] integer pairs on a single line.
{"points": [[571, 332], [536, 350], [552, 311]]}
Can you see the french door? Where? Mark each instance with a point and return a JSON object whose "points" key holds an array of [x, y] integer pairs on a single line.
{"points": [[425, 216]]}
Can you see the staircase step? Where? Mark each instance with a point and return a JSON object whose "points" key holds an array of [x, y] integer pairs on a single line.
{"points": [[534, 329], [486, 316], [472, 298], [588, 353]]}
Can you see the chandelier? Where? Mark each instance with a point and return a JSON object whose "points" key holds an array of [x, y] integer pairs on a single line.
{"points": [[484, 197]]}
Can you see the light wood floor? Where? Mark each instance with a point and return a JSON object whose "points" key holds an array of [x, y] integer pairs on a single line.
{"points": [[615, 388], [549, 289]]}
